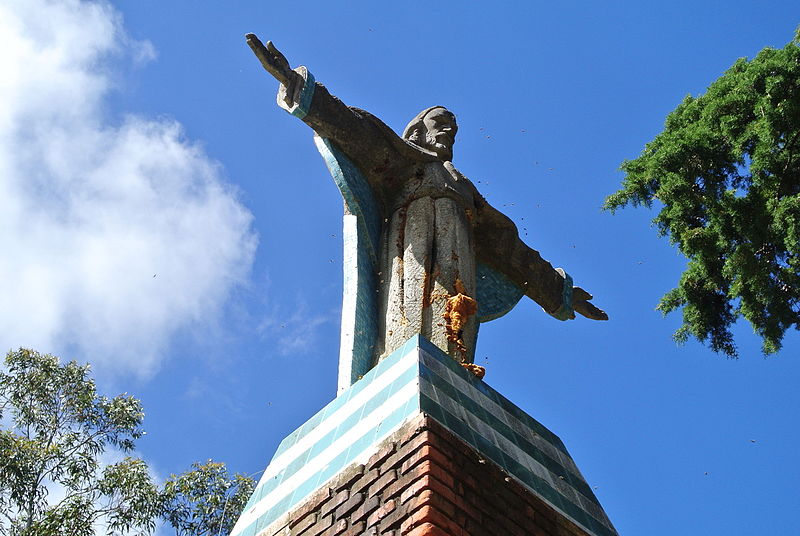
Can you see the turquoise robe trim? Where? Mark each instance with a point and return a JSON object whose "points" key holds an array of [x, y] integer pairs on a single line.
{"points": [[306, 96], [565, 312], [359, 333]]}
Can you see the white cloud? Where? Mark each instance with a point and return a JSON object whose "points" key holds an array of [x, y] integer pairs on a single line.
{"points": [[293, 332], [113, 236]]}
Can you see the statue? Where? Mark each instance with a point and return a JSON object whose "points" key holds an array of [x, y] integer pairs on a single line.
{"points": [[433, 240]]}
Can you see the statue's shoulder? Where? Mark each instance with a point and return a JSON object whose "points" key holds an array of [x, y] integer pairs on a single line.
{"points": [[404, 147]]}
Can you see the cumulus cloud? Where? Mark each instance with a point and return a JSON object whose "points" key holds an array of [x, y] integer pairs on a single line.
{"points": [[114, 234]]}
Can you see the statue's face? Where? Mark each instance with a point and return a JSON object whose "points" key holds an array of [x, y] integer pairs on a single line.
{"points": [[440, 132]]}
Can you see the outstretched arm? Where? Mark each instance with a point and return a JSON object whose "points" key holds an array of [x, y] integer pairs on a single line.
{"points": [[498, 245], [360, 135], [582, 305]]}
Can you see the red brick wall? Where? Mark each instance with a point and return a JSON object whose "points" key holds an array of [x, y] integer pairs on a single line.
{"points": [[423, 481]]}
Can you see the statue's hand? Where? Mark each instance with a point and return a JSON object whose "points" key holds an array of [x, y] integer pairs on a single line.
{"points": [[276, 64], [582, 305]]}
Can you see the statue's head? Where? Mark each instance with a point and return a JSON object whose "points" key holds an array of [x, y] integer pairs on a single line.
{"points": [[434, 129]]}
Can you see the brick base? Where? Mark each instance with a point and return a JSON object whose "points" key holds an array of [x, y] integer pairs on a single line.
{"points": [[423, 481]]}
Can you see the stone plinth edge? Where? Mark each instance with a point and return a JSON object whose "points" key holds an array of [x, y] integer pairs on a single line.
{"points": [[418, 386], [424, 481]]}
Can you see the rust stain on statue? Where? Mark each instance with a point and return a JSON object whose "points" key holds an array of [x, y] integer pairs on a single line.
{"points": [[477, 370], [456, 313]]}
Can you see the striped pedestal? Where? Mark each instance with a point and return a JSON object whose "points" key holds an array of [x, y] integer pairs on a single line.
{"points": [[419, 379]]}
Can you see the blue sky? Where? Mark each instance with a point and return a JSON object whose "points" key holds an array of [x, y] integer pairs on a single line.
{"points": [[165, 221]]}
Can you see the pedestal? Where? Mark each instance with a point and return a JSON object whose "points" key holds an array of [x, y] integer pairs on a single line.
{"points": [[419, 446]]}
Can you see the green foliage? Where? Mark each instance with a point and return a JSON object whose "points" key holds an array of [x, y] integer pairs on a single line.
{"points": [[58, 427], [205, 500], [726, 172], [55, 428]]}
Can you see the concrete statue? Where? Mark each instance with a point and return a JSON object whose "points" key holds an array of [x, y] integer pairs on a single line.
{"points": [[427, 254]]}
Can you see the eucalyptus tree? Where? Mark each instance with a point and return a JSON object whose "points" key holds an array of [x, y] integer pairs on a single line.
{"points": [[205, 500], [55, 431]]}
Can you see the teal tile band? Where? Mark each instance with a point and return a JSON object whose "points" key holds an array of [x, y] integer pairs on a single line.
{"points": [[306, 94], [420, 378], [337, 436], [510, 438]]}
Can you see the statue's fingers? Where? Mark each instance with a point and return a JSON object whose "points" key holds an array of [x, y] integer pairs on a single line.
{"points": [[256, 46], [578, 294], [280, 59], [261, 52], [588, 310], [271, 58]]}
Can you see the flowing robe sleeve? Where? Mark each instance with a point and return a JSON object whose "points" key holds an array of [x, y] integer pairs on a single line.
{"points": [[498, 245]]}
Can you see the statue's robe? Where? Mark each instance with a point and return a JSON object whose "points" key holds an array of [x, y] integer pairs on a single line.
{"points": [[435, 229]]}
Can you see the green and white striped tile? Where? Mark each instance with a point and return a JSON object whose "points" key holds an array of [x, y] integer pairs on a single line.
{"points": [[416, 378]]}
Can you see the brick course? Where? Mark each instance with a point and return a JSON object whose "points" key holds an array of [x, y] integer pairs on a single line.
{"points": [[423, 481]]}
